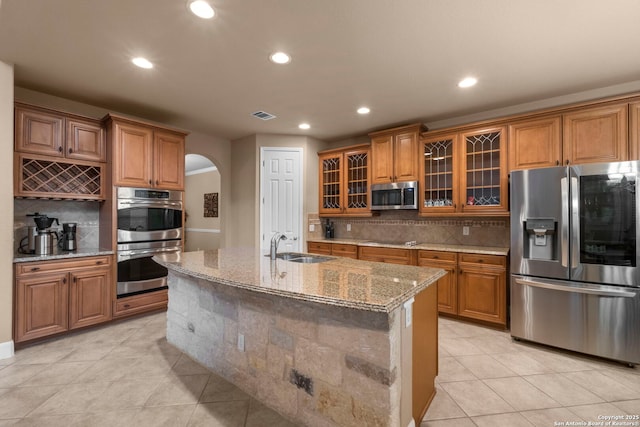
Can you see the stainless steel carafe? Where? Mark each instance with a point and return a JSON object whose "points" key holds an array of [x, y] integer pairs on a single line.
{"points": [[68, 239], [44, 242]]}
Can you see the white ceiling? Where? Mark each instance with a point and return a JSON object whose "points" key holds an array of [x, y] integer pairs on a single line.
{"points": [[402, 58]]}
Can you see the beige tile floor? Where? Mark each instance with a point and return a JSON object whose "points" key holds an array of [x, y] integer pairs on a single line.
{"points": [[127, 374], [487, 379]]}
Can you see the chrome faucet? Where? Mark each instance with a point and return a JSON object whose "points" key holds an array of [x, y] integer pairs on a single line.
{"points": [[275, 240]]}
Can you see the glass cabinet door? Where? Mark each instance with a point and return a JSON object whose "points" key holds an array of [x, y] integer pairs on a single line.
{"points": [[358, 177], [330, 181], [438, 186], [484, 178]]}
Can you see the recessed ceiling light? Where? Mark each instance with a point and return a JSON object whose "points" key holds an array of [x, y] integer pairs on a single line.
{"points": [[304, 126], [142, 62], [280, 58], [467, 82], [363, 110], [202, 9]]}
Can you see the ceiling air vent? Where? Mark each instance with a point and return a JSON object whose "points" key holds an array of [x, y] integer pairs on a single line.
{"points": [[263, 115]]}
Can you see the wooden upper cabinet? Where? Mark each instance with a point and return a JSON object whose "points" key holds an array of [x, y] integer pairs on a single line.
{"points": [[483, 171], [49, 133], [394, 154], [439, 170], [85, 140], [535, 143], [38, 132], [634, 131], [168, 160], [132, 155], [146, 156], [345, 178], [597, 134], [382, 152]]}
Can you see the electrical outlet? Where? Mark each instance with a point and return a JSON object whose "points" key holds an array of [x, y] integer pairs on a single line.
{"points": [[465, 230], [312, 228], [241, 342], [348, 227]]}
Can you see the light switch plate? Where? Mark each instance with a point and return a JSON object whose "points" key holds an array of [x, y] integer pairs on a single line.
{"points": [[465, 230], [312, 227], [241, 342], [348, 227]]}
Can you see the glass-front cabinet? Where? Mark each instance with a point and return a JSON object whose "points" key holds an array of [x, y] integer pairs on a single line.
{"points": [[345, 177], [464, 173], [438, 172], [484, 178]]}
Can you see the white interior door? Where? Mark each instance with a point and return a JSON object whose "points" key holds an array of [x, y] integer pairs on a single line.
{"points": [[281, 209]]}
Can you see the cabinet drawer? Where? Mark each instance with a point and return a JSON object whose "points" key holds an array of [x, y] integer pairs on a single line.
{"points": [[141, 303], [495, 260], [344, 250], [437, 256], [390, 255], [319, 248], [61, 265]]}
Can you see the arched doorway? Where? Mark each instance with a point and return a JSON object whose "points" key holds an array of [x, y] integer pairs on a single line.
{"points": [[202, 195]]}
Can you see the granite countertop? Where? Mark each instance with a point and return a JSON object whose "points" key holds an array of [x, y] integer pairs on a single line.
{"points": [[60, 254], [341, 282], [483, 250]]}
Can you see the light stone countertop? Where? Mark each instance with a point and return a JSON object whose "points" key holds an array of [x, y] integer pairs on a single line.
{"points": [[483, 250], [341, 282], [60, 254]]}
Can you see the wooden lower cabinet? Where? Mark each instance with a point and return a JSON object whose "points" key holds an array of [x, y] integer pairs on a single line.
{"points": [[56, 296], [389, 255], [42, 306], [141, 303], [319, 248], [345, 250], [447, 285], [475, 286]]}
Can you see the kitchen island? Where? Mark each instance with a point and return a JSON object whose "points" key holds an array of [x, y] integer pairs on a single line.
{"points": [[341, 342]]}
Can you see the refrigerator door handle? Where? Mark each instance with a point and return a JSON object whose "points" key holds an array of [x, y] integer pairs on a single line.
{"points": [[575, 223], [564, 225], [563, 288]]}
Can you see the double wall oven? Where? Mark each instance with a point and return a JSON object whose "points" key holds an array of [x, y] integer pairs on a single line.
{"points": [[149, 223]]}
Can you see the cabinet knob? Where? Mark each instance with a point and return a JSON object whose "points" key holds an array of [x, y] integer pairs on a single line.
{"points": [[157, 182], [567, 162], [70, 150], [150, 182], [557, 162], [64, 280], [60, 149]]}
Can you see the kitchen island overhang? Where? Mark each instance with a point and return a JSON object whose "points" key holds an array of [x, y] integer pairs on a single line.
{"points": [[322, 343]]}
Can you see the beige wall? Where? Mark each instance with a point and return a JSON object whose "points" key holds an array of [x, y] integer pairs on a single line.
{"points": [[196, 186], [6, 209], [245, 162], [218, 150]]}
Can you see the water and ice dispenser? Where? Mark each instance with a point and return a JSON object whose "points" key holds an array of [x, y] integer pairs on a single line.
{"points": [[541, 239]]}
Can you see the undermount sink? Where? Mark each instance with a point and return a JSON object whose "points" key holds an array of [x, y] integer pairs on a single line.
{"points": [[302, 258]]}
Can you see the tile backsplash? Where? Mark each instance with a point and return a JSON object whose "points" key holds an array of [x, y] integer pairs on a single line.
{"points": [[404, 226], [85, 214]]}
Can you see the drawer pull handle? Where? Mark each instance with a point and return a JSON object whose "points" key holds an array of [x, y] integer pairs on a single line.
{"points": [[98, 262], [35, 268], [127, 306], [435, 257]]}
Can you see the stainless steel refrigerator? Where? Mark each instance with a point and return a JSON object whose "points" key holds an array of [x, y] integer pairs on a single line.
{"points": [[575, 267]]}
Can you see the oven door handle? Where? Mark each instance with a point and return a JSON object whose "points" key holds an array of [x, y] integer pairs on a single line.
{"points": [[146, 203], [140, 253]]}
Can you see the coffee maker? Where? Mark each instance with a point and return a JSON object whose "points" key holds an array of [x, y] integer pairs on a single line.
{"points": [[43, 239], [67, 240]]}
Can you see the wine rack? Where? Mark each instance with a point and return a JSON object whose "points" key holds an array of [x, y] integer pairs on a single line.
{"points": [[46, 177]]}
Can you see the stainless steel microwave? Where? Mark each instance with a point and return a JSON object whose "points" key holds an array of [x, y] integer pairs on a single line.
{"points": [[394, 195]]}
